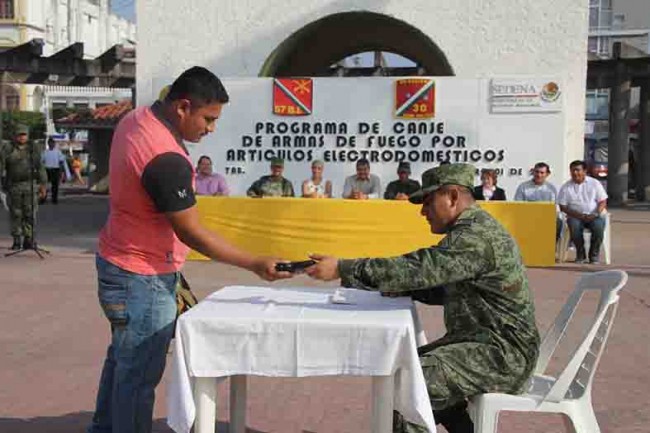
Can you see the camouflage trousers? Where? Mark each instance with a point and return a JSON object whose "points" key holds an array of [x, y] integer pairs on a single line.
{"points": [[458, 371], [21, 201]]}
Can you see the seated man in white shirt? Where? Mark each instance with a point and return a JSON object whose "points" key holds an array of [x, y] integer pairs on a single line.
{"points": [[538, 189], [583, 200], [363, 185]]}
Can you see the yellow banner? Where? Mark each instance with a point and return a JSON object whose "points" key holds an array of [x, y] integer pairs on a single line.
{"points": [[291, 228]]}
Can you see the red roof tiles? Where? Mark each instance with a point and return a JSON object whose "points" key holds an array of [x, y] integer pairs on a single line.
{"points": [[106, 116]]}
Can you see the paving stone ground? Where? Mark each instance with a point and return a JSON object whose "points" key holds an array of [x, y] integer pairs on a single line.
{"points": [[53, 338]]}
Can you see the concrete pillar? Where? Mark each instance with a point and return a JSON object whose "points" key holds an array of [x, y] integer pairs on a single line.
{"points": [[56, 25], [643, 162], [72, 21], [79, 23], [619, 106], [103, 26], [99, 147]]}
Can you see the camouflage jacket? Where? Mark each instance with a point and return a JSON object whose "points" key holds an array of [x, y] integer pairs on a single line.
{"points": [[16, 162], [479, 264], [265, 186], [397, 186]]}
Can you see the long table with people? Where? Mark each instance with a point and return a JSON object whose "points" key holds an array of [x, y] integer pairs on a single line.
{"points": [[293, 228]]}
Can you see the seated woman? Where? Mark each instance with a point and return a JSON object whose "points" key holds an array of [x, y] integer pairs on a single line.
{"points": [[316, 187], [488, 190], [208, 183]]}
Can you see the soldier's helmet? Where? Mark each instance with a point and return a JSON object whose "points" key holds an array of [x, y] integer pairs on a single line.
{"points": [[22, 129]]}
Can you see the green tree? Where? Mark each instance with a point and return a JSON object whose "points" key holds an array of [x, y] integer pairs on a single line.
{"points": [[34, 120]]}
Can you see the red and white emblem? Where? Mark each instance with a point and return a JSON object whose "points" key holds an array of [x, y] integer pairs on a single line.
{"points": [[292, 96], [415, 98]]}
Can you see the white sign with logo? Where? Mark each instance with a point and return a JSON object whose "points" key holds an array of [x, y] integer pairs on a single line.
{"points": [[422, 120], [517, 96]]}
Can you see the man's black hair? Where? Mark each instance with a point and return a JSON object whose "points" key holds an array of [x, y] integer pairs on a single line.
{"points": [[198, 85], [578, 162], [204, 157], [543, 165], [363, 161]]}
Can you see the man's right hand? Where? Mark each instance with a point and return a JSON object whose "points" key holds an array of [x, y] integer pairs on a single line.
{"points": [[401, 196], [264, 267], [588, 217]]}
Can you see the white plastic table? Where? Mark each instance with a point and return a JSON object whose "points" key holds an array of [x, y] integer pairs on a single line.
{"points": [[241, 331]]}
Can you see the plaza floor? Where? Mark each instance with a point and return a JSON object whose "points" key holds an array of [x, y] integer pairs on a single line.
{"points": [[53, 338]]}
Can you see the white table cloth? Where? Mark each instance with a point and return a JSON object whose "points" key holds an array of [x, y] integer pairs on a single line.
{"points": [[298, 332]]}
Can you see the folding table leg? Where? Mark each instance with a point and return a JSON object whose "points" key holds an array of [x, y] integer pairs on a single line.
{"points": [[238, 404], [382, 404], [205, 398]]}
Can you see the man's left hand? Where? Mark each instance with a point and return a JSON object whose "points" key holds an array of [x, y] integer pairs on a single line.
{"points": [[325, 269], [42, 191]]}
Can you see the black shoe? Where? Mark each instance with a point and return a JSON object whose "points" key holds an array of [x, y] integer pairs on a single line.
{"points": [[16, 245], [28, 244], [581, 257]]}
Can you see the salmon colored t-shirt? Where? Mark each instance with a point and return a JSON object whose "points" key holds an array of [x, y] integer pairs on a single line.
{"points": [[150, 175]]}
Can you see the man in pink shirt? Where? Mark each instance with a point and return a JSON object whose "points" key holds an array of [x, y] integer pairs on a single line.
{"points": [[153, 222], [207, 182]]}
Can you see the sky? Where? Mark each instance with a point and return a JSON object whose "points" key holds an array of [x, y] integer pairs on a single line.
{"points": [[124, 8]]}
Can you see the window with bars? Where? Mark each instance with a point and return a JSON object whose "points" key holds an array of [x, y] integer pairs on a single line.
{"points": [[7, 9], [600, 15], [10, 98]]}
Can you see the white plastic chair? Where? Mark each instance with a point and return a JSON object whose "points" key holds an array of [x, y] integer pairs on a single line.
{"points": [[565, 238], [570, 392]]}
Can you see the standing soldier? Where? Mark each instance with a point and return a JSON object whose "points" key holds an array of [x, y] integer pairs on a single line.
{"points": [[492, 342], [21, 164]]}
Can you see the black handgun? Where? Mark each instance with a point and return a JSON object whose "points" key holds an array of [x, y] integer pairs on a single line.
{"points": [[294, 267]]}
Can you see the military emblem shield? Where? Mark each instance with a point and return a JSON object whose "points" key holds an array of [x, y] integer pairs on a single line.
{"points": [[292, 96], [415, 98]]}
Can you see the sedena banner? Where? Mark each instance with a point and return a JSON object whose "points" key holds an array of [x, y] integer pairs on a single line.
{"points": [[507, 125]]}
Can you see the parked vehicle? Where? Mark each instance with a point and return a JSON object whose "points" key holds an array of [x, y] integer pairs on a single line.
{"points": [[596, 152]]}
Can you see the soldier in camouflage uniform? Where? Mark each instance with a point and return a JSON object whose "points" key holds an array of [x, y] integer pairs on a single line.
{"points": [[273, 185], [476, 272], [20, 166]]}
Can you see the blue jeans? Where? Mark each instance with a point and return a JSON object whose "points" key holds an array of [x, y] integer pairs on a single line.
{"points": [[597, 227], [141, 310]]}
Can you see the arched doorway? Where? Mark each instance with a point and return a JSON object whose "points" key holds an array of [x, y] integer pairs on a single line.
{"points": [[314, 49]]}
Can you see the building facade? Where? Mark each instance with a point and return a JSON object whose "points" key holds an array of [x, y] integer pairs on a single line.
{"points": [[614, 21], [610, 21], [60, 23], [462, 38]]}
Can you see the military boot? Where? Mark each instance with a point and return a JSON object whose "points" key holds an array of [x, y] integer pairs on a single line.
{"points": [[16, 244], [28, 244]]}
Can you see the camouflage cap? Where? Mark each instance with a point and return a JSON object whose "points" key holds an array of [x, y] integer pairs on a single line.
{"points": [[22, 129], [277, 162], [447, 174]]}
